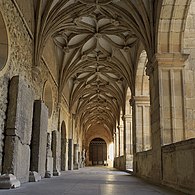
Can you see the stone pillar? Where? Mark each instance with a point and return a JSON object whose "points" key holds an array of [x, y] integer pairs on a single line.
{"points": [[79, 159], [121, 137], [167, 104], [132, 103], [76, 160], [70, 154], [18, 130], [114, 148], [63, 154], [39, 138], [143, 127], [117, 143], [128, 141], [55, 150], [49, 159], [83, 158], [141, 124]]}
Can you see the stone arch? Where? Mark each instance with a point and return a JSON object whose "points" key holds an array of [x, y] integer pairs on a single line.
{"points": [[142, 106], [48, 98], [189, 48], [95, 136], [142, 80], [171, 25], [63, 146], [103, 134], [3, 43]]}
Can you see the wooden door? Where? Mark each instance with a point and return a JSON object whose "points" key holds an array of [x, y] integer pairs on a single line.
{"points": [[98, 151]]}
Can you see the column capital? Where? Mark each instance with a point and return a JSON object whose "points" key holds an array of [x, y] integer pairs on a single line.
{"points": [[169, 60], [126, 116], [120, 127], [141, 99]]}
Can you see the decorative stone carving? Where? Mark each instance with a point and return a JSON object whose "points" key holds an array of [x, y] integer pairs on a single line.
{"points": [[19, 60]]}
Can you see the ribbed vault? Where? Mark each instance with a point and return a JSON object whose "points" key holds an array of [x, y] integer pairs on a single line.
{"points": [[98, 44]]}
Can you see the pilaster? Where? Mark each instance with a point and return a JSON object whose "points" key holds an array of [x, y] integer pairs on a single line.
{"points": [[121, 138], [128, 141], [167, 103]]}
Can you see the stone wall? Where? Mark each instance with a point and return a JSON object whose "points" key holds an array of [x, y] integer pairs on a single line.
{"points": [[178, 163], [119, 163], [144, 164], [20, 62], [19, 58]]}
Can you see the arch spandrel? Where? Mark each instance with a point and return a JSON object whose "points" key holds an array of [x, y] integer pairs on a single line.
{"points": [[172, 22]]}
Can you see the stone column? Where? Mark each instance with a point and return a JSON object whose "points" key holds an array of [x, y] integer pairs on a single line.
{"points": [[63, 154], [79, 159], [132, 103], [55, 150], [18, 130], [39, 139], [143, 127], [167, 104], [76, 160], [70, 154], [83, 158], [121, 137], [117, 143], [128, 141], [49, 158]]}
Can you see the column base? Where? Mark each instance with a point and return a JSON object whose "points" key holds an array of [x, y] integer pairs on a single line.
{"points": [[34, 176], [48, 174], [56, 173], [76, 166], [49, 166], [8, 181]]}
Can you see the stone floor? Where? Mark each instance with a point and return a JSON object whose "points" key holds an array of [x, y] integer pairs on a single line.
{"points": [[90, 181]]}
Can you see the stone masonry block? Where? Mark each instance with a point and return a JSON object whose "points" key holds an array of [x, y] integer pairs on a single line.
{"points": [[39, 138], [20, 110], [18, 130]]}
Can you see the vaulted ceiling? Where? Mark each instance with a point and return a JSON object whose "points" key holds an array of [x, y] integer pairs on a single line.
{"points": [[98, 44]]}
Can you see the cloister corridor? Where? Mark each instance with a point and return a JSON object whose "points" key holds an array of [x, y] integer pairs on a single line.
{"points": [[98, 180], [86, 85]]}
